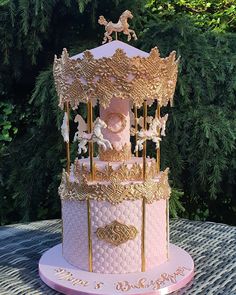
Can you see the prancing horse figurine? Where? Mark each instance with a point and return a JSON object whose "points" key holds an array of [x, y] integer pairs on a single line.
{"points": [[121, 26]]}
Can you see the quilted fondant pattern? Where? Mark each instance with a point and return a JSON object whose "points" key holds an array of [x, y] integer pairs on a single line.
{"points": [[124, 258], [75, 233], [108, 258], [155, 242]]}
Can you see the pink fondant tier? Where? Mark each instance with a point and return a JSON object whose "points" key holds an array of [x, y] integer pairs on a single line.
{"points": [[109, 258], [102, 164], [106, 171], [115, 219]]}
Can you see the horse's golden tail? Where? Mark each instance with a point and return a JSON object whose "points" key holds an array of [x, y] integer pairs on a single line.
{"points": [[102, 21]]}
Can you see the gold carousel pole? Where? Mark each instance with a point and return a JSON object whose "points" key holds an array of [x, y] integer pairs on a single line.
{"points": [[158, 156], [136, 126], [144, 178], [158, 114], [158, 111], [145, 143], [90, 127], [68, 143]]}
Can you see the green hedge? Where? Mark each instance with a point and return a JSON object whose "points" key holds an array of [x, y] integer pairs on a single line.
{"points": [[200, 144]]}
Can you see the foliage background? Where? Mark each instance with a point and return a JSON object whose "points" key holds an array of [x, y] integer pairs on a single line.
{"points": [[200, 143]]}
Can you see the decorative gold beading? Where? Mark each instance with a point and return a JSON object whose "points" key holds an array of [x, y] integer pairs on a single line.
{"points": [[134, 78], [112, 155], [122, 173], [117, 233], [115, 192]]}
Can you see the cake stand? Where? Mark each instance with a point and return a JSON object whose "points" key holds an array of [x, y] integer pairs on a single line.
{"points": [[168, 277]]}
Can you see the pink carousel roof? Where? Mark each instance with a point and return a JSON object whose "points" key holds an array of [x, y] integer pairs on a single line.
{"points": [[109, 49]]}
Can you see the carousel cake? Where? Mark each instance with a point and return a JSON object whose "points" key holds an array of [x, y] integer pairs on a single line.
{"points": [[114, 197]]}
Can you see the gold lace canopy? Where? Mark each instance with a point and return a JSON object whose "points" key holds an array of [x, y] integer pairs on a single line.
{"points": [[134, 78]]}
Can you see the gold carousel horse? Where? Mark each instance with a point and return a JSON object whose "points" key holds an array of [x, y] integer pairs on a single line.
{"points": [[121, 26]]}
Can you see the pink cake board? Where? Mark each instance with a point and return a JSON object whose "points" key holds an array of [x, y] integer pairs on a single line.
{"points": [[164, 279]]}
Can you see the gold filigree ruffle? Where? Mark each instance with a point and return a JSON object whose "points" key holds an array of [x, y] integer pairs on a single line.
{"points": [[122, 173], [113, 155], [116, 192], [134, 78], [117, 233]]}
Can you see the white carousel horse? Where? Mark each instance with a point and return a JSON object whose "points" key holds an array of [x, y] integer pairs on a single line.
{"points": [[82, 126], [163, 121], [161, 124], [65, 128], [121, 26], [150, 134], [149, 120], [95, 136], [139, 121]]}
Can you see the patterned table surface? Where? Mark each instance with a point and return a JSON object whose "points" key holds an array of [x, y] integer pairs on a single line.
{"points": [[212, 246]]}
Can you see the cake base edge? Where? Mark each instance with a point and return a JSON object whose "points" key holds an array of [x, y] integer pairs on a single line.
{"points": [[168, 277]]}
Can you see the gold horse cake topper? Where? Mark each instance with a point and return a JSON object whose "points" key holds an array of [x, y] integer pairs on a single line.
{"points": [[121, 26]]}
